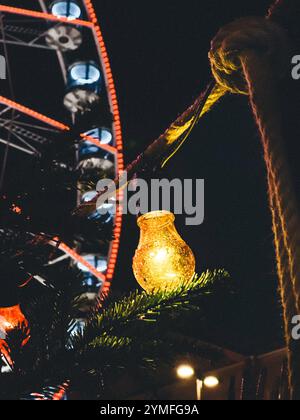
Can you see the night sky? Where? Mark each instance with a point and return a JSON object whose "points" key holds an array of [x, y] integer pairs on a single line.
{"points": [[159, 57], [158, 52]]}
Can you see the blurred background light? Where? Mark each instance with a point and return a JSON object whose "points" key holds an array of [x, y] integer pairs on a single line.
{"points": [[68, 8], [211, 382], [185, 371]]}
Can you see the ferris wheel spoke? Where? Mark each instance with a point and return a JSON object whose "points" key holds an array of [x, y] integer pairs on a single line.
{"points": [[14, 123], [37, 127], [10, 37], [43, 6], [41, 35], [23, 141], [24, 44], [4, 111], [15, 127], [15, 146]]}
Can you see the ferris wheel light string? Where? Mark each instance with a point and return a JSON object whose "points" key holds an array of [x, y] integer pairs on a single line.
{"points": [[78, 258], [117, 130], [50, 121]]}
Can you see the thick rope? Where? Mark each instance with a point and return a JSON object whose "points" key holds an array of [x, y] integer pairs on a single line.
{"points": [[282, 200], [243, 57]]}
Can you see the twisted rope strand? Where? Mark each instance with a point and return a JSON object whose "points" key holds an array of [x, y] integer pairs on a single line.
{"points": [[286, 225]]}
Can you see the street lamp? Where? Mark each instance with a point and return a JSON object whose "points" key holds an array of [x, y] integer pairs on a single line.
{"points": [[211, 382], [186, 371]]}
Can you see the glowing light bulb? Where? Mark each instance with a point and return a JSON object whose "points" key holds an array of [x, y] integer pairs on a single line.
{"points": [[163, 261], [185, 372], [160, 256], [211, 382]]}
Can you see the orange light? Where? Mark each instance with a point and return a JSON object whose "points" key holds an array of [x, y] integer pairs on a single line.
{"points": [[78, 258], [50, 121], [33, 114], [16, 209], [42, 15], [98, 143], [117, 132], [11, 318]]}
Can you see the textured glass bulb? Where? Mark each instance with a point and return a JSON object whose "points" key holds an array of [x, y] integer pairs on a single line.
{"points": [[163, 261]]}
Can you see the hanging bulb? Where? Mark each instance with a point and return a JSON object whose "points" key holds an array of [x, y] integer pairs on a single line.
{"points": [[163, 261]]}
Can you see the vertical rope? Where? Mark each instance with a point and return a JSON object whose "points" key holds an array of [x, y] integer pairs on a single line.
{"points": [[285, 288], [249, 56], [283, 203]]}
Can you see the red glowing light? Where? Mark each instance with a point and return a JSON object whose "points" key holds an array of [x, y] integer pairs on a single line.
{"points": [[117, 132], [50, 121], [33, 114], [11, 318], [98, 143], [78, 258], [16, 209]]}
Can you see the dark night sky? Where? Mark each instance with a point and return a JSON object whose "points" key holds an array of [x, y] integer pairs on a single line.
{"points": [[158, 53], [159, 58]]}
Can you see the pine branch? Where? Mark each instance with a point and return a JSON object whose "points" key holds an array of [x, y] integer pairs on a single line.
{"points": [[148, 308], [131, 333]]}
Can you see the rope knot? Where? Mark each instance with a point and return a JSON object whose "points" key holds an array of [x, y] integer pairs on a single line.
{"points": [[233, 40]]}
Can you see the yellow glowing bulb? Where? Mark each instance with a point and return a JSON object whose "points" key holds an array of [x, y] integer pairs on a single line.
{"points": [[211, 382], [160, 256], [163, 261], [185, 372]]}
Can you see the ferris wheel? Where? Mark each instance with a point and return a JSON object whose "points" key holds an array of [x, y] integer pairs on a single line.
{"points": [[66, 35]]}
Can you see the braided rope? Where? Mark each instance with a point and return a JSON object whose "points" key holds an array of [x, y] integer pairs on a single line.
{"points": [[282, 200], [285, 289], [242, 56]]}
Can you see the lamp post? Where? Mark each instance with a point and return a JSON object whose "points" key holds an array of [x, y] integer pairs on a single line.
{"points": [[187, 371]]}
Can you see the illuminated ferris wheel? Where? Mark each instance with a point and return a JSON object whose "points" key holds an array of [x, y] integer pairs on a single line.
{"points": [[69, 32]]}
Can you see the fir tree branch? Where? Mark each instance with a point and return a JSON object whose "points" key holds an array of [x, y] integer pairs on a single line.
{"points": [[147, 308]]}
